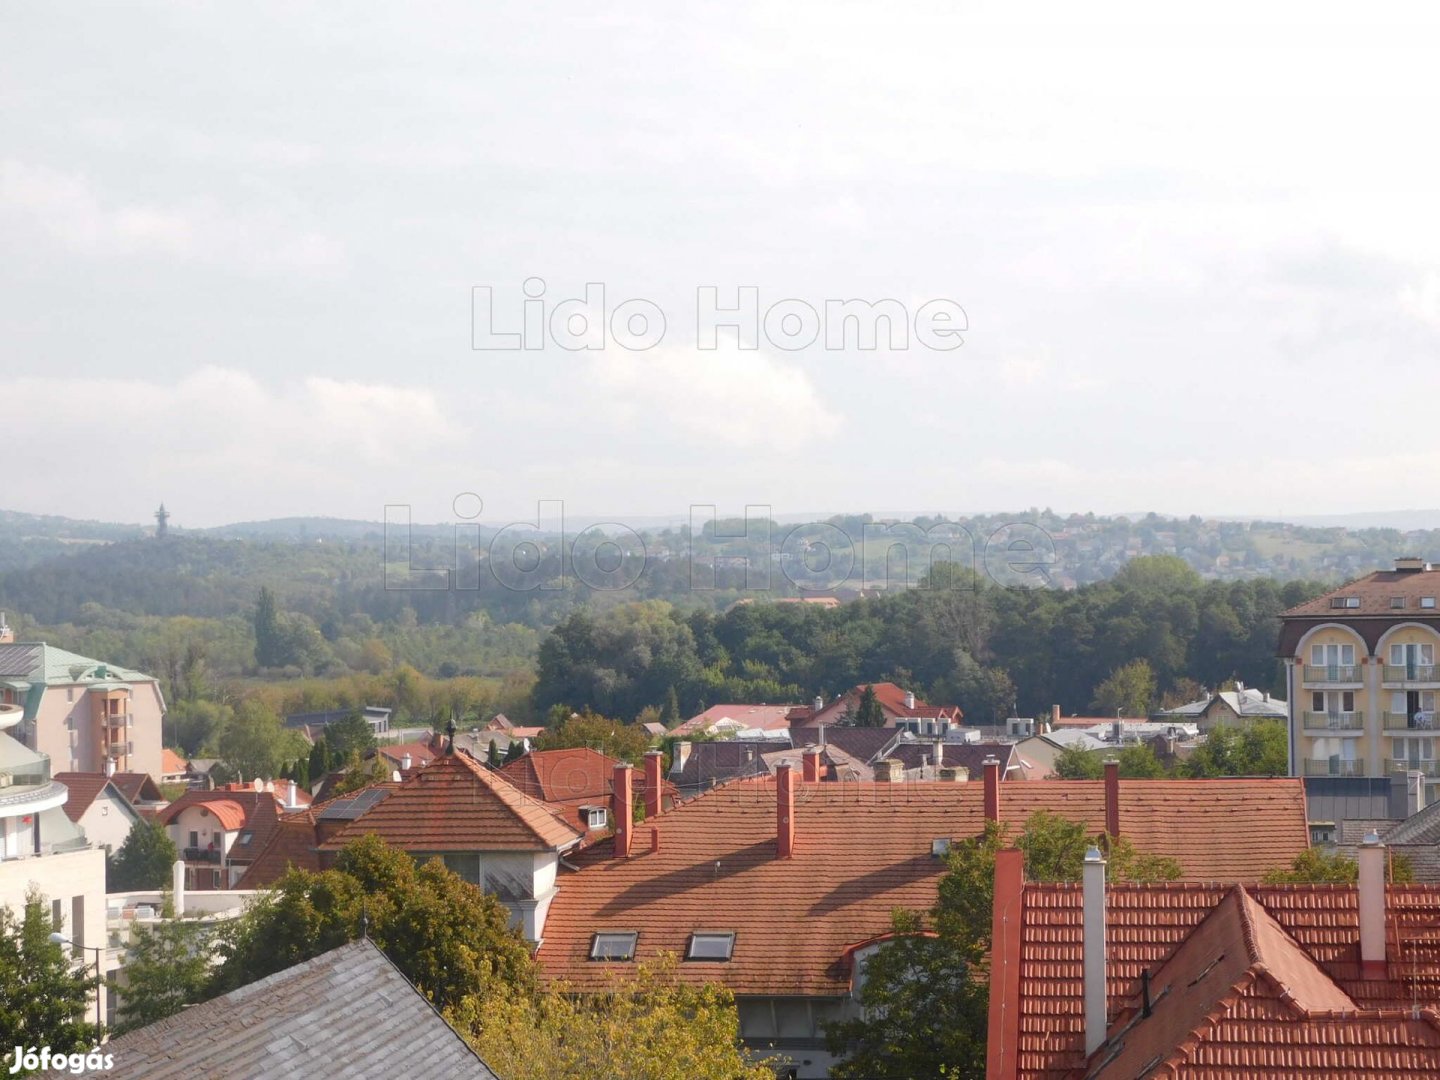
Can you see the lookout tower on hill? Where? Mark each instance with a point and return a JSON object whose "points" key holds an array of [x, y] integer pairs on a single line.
{"points": [[162, 521]]}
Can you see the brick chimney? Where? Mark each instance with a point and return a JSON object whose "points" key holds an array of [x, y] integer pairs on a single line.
{"points": [[622, 809], [1372, 907], [810, 761], [1093, 938], [992, 788], [784, 811], [654, 804], [1112, 797]]}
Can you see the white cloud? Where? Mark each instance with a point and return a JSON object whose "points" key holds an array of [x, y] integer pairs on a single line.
{"points": [[727, 398], [1422, 301]]}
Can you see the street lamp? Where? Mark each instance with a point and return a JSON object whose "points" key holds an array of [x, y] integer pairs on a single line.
{"points": [[58, 938]]}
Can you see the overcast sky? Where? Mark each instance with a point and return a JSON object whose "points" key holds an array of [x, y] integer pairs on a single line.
{"points": [[1199, 259]]}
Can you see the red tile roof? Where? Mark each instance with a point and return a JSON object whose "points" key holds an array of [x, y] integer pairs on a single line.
{"points": [[171, 763], [1248, 980], [572, 776], [862, 849], [291, 842], [1374, 593], [421, 753], [227, 810], [84, 789], [457, 804], [138, 787]]}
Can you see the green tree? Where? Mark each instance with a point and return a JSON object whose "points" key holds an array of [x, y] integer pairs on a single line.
{"points": [[44, 994], [255, 743], [925, 1011], [1316, 866], [144, 862], [492, 757], [360, 772], [671, 716], [628, 742], [269, 635], [648, 1026], [167, 966], [867, 711], [1126, 691], [350, 734], [447, 936], [1075, 763], [1259, 748], [515, 751], [320, 761]]}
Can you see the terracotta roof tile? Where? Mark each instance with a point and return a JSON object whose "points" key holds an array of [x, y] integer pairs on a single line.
{"points": [[1374, 593], [84, 788], [231, 808], [138, 787], [171, 763], [292, 842], [457, 804], [860, 850]]}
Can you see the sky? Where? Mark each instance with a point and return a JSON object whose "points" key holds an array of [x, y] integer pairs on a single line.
{"points": [[1195, 255]]}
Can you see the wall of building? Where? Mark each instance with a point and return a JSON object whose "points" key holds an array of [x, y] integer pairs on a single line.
{"points": [[108, 820], [67, 728]]}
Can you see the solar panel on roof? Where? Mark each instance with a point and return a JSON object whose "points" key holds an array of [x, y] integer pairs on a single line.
{"points": [[18, 659]]}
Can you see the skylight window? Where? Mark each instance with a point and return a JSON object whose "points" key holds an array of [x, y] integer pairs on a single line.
{"points": [[706, 945], [1397, 602], [614, 946], [1344, 601], [939, 848], [245, 837]]}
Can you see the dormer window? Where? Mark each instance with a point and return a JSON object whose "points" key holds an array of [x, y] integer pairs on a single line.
{"points": [[1344, 601], [614, 946], [595, 817], [711, 945], [245, 836], [1427, 601], [1397, 603]]}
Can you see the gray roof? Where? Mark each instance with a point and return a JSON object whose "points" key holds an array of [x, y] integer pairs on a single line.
{"points": [[348, 1012]]}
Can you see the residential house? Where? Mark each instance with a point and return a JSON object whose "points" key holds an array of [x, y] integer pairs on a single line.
{"points": [[1213, 979], [577, 779], [297, 835], [483, 827], [900, 707], [140, 791], [100, 808], [1227, 708], [83, 713], [739, 721], [404, 756], [1361, 675], [220, 832], [348, 1012], [696, 767], [778, 888], [173, 767], [933, 759], [1038, 753], [41, 848]]}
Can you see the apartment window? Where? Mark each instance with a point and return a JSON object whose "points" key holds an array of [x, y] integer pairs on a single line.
{"points": [[1412, 655], [1413, 750], [1397, 602], [70, 693], [706, 945], [1332, 655], [194, 839], [614, 946], [1427, 601]]}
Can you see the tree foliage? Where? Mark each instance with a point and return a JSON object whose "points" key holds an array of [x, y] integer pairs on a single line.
{"points": [[144, 862], [448, 937], [1126, 691], [867, 710], [1315, 866], [627, 742], [648, 1026], [1259, 748], [44, 994], [167, 966], [925, 1011]]}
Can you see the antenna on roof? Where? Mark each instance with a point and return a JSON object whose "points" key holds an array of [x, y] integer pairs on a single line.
{"points": [[364, 920]]}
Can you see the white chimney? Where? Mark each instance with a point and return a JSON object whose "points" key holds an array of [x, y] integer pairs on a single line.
{"points": [[109, 766], [939, 753], [405, 761], [292, 800], [1414, 792], [1372, 907], [1093, 932], [909, 699], [818, 703], [177, 886], [6, 634]]}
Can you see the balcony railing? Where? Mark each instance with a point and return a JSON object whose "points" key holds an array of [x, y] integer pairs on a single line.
{"points": [[1332, 673], [1334, 767], [1410, 673], [1429, 768], [1399, 721], [1334, 721], [205, 855], [27, 774]]}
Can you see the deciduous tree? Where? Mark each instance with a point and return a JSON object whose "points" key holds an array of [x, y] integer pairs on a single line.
{"points": [[145, 860], [44, 994]]}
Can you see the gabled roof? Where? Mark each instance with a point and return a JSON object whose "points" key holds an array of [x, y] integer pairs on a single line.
{"points": [[260, 825], [138, 787], [348, 1012], [84, 789], [1245, 980], [865, 743], [971, 756], [862, 849], [457, 804], [711, 763], [570, 776], [171, 763], [420, 753]]}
